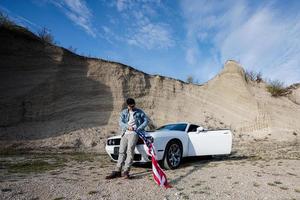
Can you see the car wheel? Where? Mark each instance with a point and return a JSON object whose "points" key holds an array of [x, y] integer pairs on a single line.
{"points": [[173, 155]]}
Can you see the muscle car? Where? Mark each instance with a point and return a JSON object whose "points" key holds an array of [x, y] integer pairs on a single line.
{"points": [[174, 141]]}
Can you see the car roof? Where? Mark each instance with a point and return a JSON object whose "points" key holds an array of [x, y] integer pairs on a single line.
{"points": [[188, 123], [177, 123]]}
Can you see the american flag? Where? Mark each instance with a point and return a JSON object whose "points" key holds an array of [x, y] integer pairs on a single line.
{"points": [[158, 174]]}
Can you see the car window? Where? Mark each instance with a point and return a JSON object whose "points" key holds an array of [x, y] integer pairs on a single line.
{"points": [[193, 128], [173, 127]]}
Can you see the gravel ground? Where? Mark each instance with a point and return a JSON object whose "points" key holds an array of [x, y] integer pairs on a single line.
{"points": [[235, 177]]}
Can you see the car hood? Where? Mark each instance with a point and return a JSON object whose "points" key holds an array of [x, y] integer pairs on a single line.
{"points": [[164, 133], [154, 134]]}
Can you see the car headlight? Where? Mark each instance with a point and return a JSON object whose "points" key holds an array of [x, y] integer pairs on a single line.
{"points": [[110, 142], [113, 142]]}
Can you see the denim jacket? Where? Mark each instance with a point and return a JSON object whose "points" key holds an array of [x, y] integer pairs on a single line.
{"points": [[141, 119]]}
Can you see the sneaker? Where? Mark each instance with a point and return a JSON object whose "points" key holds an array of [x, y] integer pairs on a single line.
{"points": [[114, 174], [126, 175]]}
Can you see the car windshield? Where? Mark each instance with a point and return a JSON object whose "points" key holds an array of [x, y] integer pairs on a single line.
{"points": [[173, 127]]}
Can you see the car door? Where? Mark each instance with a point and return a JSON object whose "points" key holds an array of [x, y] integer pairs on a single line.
{"points": [[209, 142]]}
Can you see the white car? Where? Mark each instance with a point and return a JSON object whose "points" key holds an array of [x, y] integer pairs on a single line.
{"points": [[172, 142]]}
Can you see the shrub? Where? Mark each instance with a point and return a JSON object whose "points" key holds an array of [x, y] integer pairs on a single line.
{"points": [[259, 77], [45, 35], [250, 75], [276, 88], [253, 76], [5, 21], [72, 49], [190, 79]]}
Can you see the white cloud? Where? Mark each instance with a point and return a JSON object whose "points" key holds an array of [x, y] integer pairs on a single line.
{"points": [[141, 30], [78, 12], [110, 35], [122, 4], [191, 56], [261, 38], [151, 36]]}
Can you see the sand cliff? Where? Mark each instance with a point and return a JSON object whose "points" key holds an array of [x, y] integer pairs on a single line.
{"points": [[53, 98]]}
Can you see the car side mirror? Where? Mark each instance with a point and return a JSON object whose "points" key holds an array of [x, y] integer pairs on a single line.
{"points": [[200, 129]]}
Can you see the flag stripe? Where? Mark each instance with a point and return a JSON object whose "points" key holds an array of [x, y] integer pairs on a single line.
{"points": [[158, 174]]}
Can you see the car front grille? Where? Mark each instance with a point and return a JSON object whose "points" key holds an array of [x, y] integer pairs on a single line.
{"points": [[111, 142]]}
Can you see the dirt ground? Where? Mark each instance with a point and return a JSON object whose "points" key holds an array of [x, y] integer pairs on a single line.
{"points": [[243, 175]]}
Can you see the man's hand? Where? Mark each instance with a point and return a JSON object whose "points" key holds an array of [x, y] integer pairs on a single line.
{"points": [[130, 128]]}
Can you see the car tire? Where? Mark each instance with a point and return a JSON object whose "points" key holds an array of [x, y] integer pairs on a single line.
{"points": [[173, 155]]}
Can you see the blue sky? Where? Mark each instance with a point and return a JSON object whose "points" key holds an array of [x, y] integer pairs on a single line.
{"points": [[174, 38]]}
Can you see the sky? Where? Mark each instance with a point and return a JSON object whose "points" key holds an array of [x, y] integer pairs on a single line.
{"points": [[174, 38]]}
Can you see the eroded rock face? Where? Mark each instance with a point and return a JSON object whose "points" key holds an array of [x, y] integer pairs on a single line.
{"points": [[52, 98], [294, 94]]}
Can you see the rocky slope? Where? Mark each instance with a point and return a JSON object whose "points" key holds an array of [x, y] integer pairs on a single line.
{"points": [[53, 98]]}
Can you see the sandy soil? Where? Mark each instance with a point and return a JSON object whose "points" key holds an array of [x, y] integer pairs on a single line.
{"points": [[242, 175]]}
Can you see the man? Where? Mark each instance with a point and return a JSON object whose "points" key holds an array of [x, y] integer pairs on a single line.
{"points": [[132, 119]]}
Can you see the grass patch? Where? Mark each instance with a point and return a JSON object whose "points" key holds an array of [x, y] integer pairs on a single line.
{"points": [[199, 183], [55, 173], [277, 182], [83, 157], [256, 184], [284, 188], [33, 166], [289, 173], [206, 188], [26, 162], [92, 192], [59, 198], [297, 190], [271, 184], [6, 190], [185, 196], [10, 152]]}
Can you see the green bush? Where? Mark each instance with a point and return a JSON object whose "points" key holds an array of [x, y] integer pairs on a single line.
{"points": [[276, 88]]}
